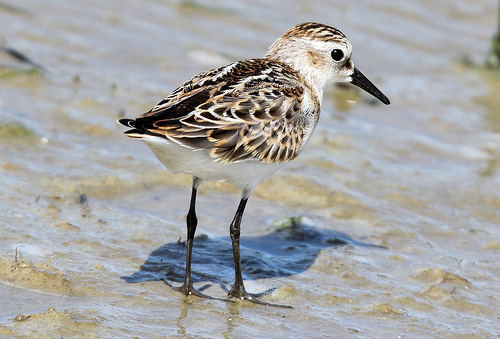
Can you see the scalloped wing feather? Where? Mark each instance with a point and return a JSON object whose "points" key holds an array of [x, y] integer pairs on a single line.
{"points": [[246, 110]]}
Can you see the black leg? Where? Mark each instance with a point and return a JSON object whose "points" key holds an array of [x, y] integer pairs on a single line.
{"points": [[192, 221], [238, 290]]}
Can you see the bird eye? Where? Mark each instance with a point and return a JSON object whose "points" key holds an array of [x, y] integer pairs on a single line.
{"points": [[337, 54]]}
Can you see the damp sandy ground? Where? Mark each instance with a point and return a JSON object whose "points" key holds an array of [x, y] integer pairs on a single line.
{"points": [[396, 208]]}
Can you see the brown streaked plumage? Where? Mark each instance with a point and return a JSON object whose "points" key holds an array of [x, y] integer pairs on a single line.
{"points": [[246, 110], [316, 31], [240, 123]]}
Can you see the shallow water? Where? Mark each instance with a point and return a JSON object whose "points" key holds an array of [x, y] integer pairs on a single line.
{"points": [[400, 203]]}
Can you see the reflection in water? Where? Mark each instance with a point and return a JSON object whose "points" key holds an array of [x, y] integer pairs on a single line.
{"points": [[184, 313], [492, 104], [234, 310]]}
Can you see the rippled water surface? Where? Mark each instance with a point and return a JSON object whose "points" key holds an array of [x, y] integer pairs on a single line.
{"points": [[398, 207]]}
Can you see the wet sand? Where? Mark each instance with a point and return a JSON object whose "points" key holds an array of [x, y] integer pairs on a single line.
{"points": [[396, 209]]}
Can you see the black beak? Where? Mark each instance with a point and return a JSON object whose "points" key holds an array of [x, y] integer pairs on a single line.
{"points": [[362, 82]]}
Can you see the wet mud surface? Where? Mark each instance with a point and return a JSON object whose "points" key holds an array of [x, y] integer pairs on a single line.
{"points": [[387, 225]]}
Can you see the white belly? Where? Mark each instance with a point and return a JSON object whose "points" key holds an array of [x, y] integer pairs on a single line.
{"points": [[179, 159]]}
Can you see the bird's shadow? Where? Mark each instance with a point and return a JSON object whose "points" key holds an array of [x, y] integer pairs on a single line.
{"points": [[286, 251]]}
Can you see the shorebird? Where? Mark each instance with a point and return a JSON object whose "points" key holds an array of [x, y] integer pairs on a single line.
{"points": [[242, 122]]}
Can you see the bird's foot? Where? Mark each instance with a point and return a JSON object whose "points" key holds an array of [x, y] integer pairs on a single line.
{"points": [[188, 289], [239, 292]]}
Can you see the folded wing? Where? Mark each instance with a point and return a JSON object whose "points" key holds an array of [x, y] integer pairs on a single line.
{"points": [[234, 118]]}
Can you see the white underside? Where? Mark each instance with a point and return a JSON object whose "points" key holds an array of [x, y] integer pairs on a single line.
{"points": [[179, 159]]}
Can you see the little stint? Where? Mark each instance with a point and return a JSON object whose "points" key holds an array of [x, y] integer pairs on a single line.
{"points": [[242, 122]]}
